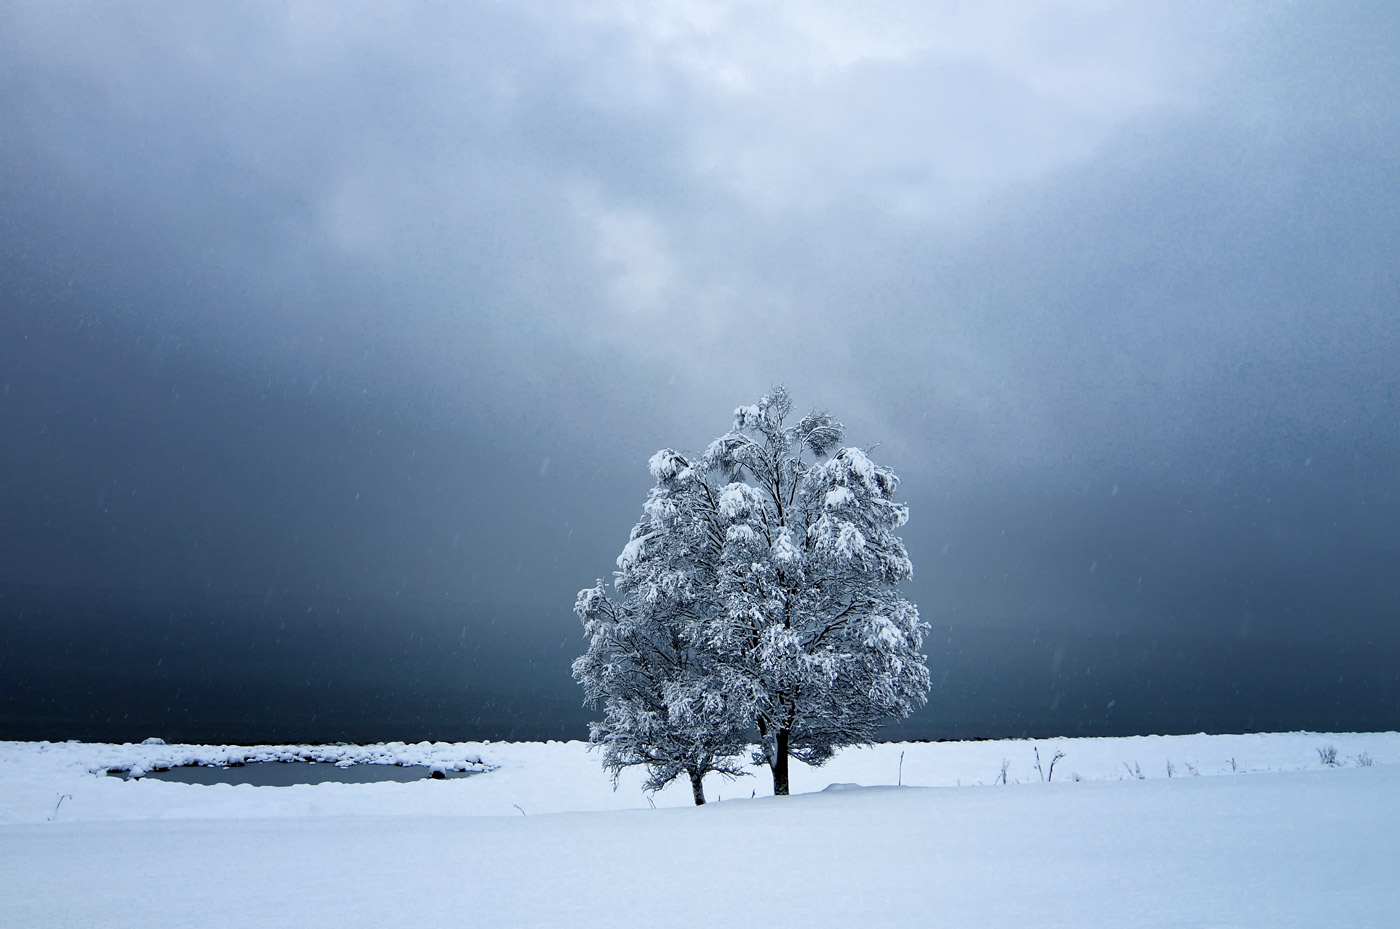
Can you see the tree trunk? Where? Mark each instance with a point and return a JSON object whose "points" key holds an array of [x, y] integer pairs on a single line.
{"points": [[697, 786], [780, 765]]}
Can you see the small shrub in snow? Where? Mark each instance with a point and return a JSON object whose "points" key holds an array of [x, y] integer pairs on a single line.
{"points": [[1047, 778], [1328, 755], [54, 815], [1364, 760]]}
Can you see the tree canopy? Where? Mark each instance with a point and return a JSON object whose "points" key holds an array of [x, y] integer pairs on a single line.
{"points": [[756, 600]]}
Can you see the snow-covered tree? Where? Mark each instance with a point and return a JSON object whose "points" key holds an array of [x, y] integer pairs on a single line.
{"points": [[668, 704], [813, 621], [773, 560]]}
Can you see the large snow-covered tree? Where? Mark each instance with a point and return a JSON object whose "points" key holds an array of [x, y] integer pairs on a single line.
{"points": [[773, 557], [811, 563]]}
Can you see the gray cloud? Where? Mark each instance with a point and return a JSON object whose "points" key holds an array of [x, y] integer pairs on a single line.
{"points": [[396, 304]]}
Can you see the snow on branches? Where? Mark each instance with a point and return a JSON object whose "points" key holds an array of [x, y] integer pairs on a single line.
{"points": [[757, 596]]}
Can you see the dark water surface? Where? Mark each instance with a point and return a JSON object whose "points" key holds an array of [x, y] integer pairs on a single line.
{"points": [[289, 773]]}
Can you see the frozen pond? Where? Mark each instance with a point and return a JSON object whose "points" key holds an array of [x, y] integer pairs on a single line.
{"points": [[289, 773]]}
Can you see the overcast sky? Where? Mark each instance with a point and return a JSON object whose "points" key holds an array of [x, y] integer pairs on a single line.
{"points": [[395, 301]]}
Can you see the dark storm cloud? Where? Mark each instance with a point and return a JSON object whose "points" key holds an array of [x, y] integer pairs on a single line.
{"points": [[322, 302], [1186, 348], [276, 214]]}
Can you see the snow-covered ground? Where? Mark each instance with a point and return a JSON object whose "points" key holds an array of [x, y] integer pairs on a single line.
{"points": [[1249, 830]]}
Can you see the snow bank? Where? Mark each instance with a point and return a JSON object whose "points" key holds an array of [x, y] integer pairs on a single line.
{"points": [[553, 777], [1302, 845]]}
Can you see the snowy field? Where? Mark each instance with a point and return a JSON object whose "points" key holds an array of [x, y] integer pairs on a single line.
{"points": [[1252, 830]]}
